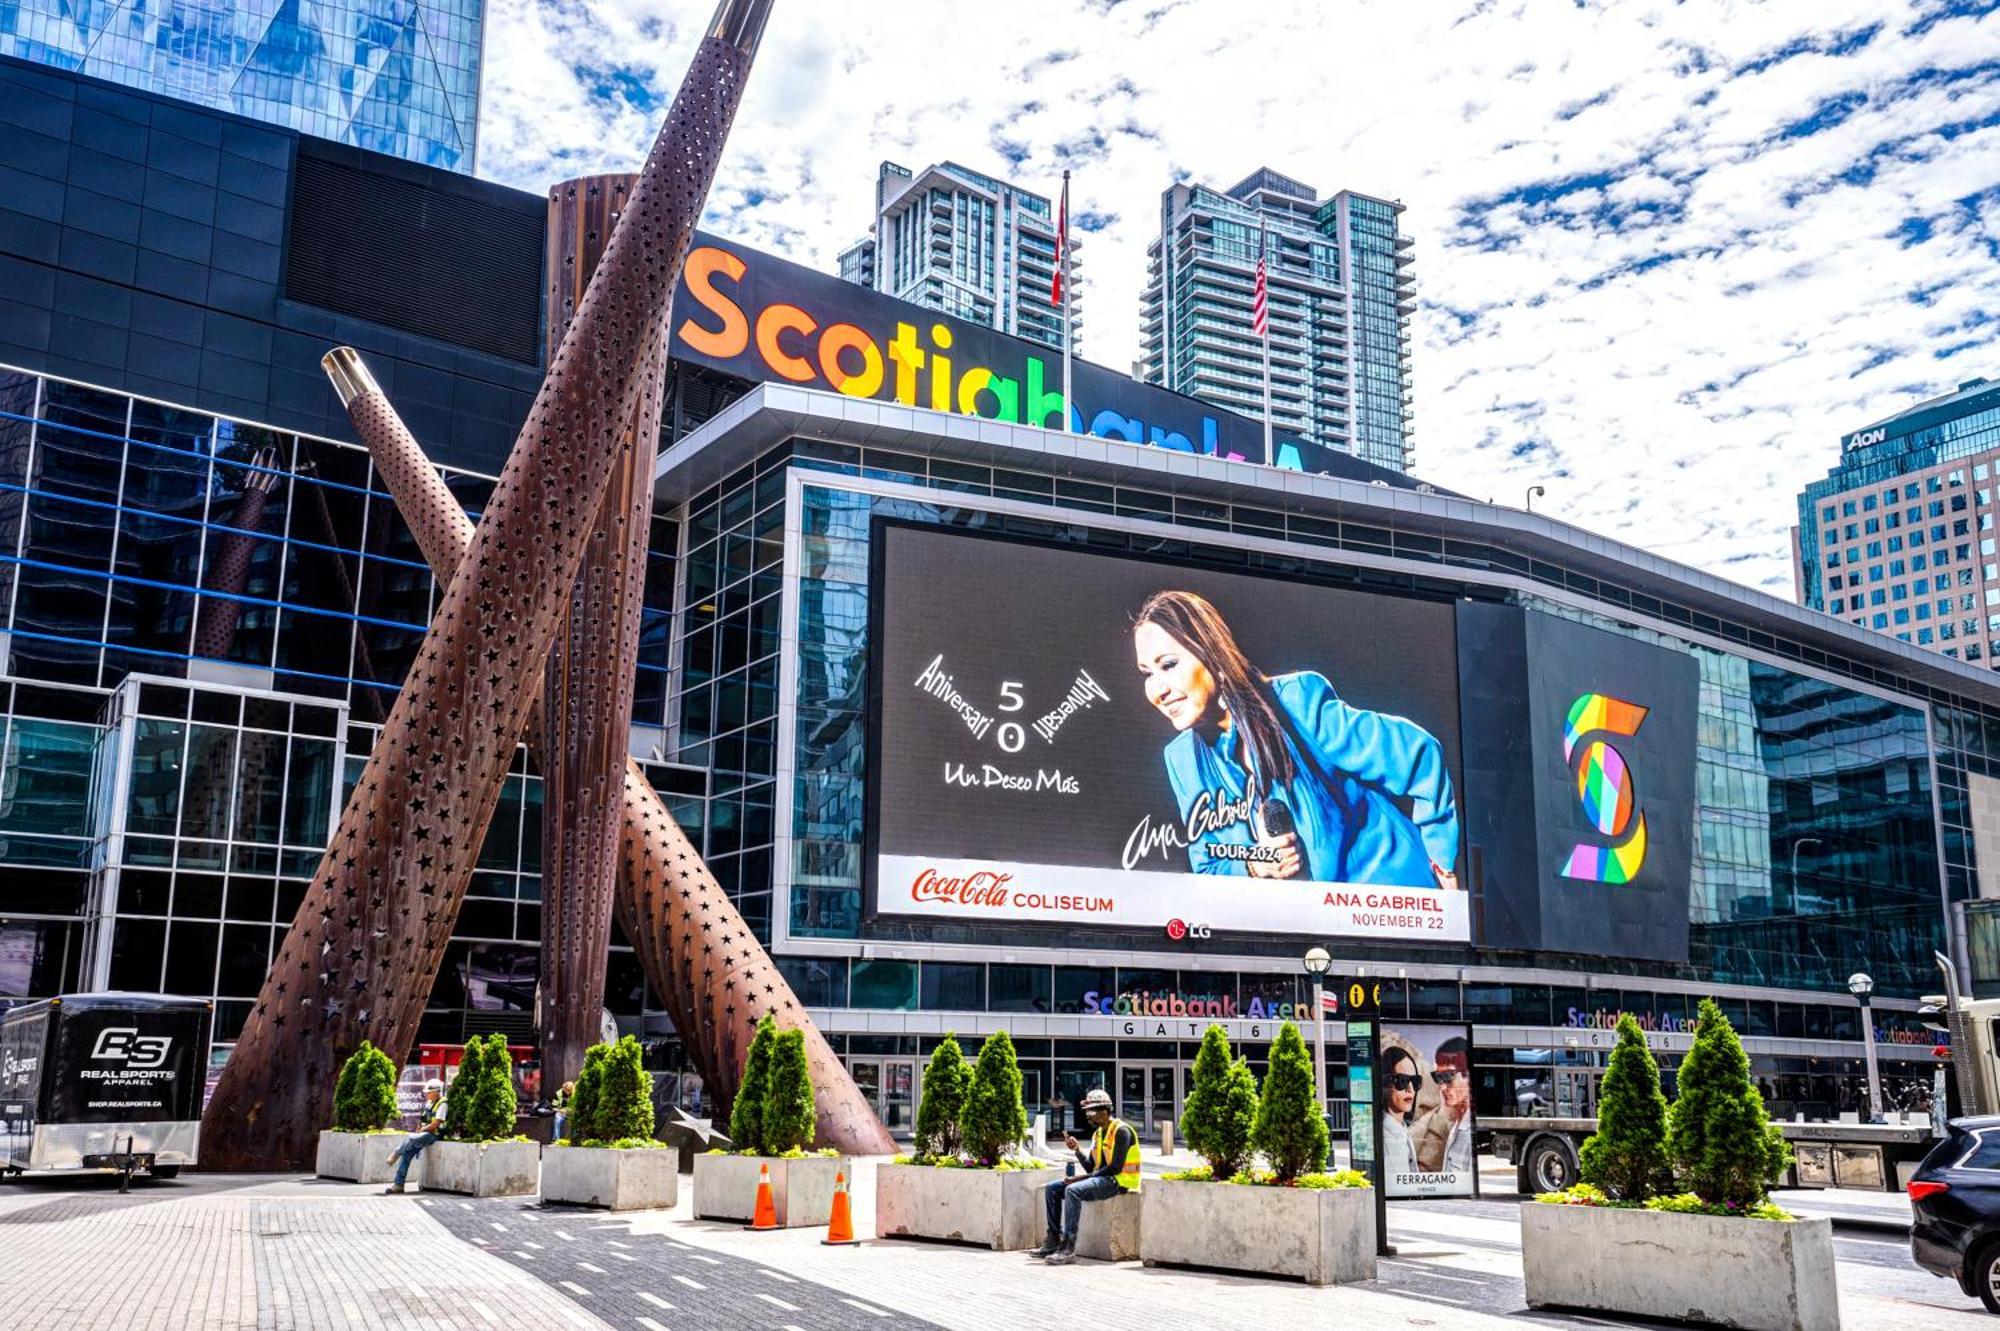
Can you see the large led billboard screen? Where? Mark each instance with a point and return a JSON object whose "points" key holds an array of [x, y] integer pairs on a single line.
{"points": [[1097, 739]]}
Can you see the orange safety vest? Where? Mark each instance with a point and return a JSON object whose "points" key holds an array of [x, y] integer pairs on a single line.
{"points": [[1103, 1142]]}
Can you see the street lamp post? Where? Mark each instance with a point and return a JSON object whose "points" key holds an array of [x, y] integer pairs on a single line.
{"points": [[1862, 985], [1533, 492], [1317, 962]]}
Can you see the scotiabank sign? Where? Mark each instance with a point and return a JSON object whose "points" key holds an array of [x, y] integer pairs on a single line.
{"points": [[765, 319]]}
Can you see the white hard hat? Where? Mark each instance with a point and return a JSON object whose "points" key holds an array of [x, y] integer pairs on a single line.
{"points": [[1097, 1098], [433, 1085]]}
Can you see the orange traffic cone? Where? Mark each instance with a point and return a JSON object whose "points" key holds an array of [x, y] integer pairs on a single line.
{"points": [[840, 1225], [767, 1206]]}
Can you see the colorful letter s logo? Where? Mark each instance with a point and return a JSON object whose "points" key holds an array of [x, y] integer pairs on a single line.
{"points": [[1604, 784]]}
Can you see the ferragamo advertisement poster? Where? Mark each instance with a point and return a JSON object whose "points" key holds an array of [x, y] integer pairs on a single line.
{"points": [[1112, 739]]}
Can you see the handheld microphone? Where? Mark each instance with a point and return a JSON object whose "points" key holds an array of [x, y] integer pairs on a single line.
{"points": [[1277, 820]]}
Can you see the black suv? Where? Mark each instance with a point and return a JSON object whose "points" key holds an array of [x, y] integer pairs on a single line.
{"points": [[1955, 1202]]}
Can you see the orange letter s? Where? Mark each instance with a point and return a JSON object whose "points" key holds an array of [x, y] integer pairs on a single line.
{"points": [[728, 341]]}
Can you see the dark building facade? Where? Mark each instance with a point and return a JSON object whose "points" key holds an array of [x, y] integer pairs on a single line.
{"points": [[1540, 777]]}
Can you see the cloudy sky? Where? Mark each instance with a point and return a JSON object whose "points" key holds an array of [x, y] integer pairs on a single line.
{"points": [[1667, 253]]}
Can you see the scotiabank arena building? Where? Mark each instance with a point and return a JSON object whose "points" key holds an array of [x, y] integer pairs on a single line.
{"points": [[1083, 728]]}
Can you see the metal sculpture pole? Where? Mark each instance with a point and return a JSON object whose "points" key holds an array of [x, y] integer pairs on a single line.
{"points": [[592, 670], [698, 953], [360, 957]]}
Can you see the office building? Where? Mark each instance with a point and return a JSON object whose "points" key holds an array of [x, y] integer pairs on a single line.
{"points": [[1899, 536], [858, 604], [393, 76], [1340, 297], [952, 239]]}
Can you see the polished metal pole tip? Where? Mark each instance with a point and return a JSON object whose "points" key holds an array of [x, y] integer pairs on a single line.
{"points": [[349, 373]]}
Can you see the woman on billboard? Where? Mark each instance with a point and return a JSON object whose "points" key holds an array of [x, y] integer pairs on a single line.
{"points": [[1276, 777], [1400, 1082]]}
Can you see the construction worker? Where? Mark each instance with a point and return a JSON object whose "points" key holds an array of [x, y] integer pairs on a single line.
{"points": [[1113, 1163]]}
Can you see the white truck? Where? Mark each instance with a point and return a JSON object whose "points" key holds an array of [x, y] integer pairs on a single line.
{"points": [[1544, 1149]]}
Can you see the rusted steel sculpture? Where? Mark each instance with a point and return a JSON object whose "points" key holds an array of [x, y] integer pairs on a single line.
{"points": [[364, 949], [587, 693], [698, 953]]}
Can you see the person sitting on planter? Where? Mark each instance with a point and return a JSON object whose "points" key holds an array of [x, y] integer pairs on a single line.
{"points": [[563, 1100], [427, 1132], [1113, 1163]]}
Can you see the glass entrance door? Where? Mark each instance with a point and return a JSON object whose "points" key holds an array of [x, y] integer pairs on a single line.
{"points": [[1149, 1093], [890, 1086], [899, 1095]]}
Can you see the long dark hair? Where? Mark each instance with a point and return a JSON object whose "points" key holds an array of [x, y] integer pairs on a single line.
{"points": [[1198, 626], [1391, 1056]]}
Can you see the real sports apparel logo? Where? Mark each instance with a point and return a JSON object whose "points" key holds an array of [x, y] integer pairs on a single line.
{"points": [[124, 1044], [1605, 786]]}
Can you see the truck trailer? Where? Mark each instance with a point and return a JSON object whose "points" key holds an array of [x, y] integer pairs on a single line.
{"points": [[107, 1081]]}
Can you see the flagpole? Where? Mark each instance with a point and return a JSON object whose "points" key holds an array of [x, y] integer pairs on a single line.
{"points": [[1264, 263], [1062, 264]]}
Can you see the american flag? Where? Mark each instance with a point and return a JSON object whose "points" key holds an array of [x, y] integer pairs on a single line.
{"points": [[1259, 304]]}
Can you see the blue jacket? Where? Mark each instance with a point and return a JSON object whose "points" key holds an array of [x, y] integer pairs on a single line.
{"points": [[1356, 833]]}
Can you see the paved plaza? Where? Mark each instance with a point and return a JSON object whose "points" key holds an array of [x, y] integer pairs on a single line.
{"points": [[220, 1252]]}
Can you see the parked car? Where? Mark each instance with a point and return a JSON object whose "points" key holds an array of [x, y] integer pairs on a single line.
{"points": [[1955, 1204]]}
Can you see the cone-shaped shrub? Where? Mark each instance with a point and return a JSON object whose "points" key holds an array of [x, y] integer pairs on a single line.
{"points": [[947, 1080], [624, 1110], [492, 1111], [788, 1107], [1627, 1155], [581, 1121], [459, 1095], [1221, 1109], [1718, 1138], [364, 1099], [994, 1121], [746, 1115], [1291, 1129]]}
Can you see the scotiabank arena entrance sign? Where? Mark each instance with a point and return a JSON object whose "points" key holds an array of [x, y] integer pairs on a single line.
{"points": [[1100, 740]]}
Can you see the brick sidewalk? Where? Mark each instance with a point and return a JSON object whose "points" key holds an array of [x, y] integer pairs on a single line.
{"points": [[264, 1255]]}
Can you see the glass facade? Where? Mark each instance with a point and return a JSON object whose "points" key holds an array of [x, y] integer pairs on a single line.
{"points": [[205, 623], [1900, 537], [1340, 297], [393, 76], [1817, 829], [956, 240]]}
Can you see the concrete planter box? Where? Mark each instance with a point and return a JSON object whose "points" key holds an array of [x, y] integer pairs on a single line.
{"points": [[364, 1157], [634, 1180], [725, 1187], [483, 1169], [1109, 1230], [1323, 1237], [1760, 1275], [1001, 1211]]}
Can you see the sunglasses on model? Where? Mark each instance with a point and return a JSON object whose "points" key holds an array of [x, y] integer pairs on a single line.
{"points": [[1403, 1081], [1446, 1076]]}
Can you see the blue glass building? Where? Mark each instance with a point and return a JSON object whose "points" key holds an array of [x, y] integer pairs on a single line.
{"points": [[394, 76], [1899, 536]]}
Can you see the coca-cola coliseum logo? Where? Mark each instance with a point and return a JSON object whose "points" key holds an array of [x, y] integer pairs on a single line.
{"points": [[983, 887]]}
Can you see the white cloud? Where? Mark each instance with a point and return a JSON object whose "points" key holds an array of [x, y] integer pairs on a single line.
{"points": [[1644, 244]]}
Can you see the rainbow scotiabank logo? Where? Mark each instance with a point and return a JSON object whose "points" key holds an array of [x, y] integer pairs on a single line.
{"points": [[768, 320], [1605, 786]]}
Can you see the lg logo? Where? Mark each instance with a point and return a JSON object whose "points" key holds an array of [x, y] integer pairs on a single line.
{"points": [[1605, 786], [1181, 929], [124, 1044]]}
